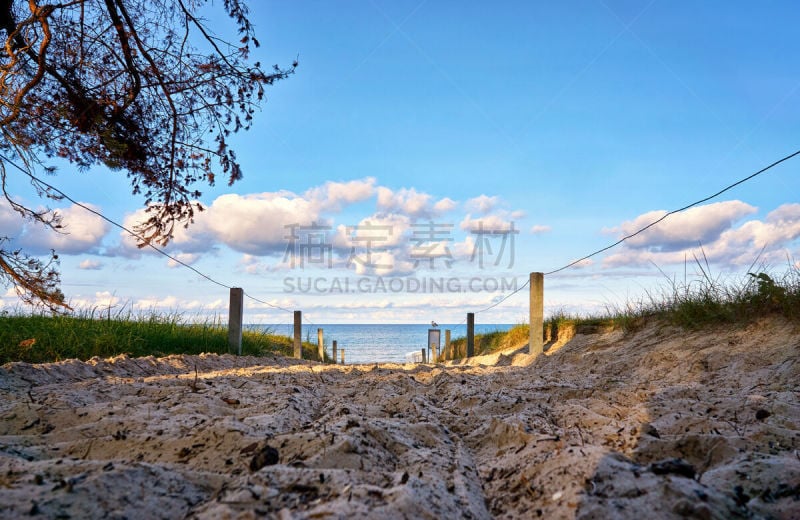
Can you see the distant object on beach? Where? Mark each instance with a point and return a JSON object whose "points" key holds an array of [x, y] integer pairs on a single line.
{"points": [[434, 324]]}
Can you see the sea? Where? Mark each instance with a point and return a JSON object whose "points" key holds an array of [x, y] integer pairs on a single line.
{"points": [[373, 343]]}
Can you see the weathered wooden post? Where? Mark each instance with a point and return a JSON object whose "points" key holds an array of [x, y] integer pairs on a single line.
{"points": [[298, 334], [342, 351], [334, 351], [423, 355], [447, 353], [536, 320], [320, 346], [470, 334], [434, 353], [235, 312]]}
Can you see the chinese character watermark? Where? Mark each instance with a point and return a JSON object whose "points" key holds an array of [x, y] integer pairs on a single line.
{"points": [[365, 236], [483, 244], [308, 244], [430, 242]]}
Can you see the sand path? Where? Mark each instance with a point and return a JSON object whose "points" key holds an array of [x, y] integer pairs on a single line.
{"points": [[659, 422]]}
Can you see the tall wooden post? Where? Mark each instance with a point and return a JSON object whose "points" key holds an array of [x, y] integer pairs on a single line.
{"points": [[298, 334], [342, 351], [535, 343], [470, 334], [334, 351], [320, 346], [423, 351], [447, 353], [235, 312]]}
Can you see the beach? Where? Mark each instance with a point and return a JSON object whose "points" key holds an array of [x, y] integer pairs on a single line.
{"points": [[610, 424]]}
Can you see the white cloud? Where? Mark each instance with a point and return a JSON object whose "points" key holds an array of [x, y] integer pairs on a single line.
{"points": [[81, 232], [99, 301], [586, 262], [698, 225], [487, 223], [444, 205], [376, 232], [539, 229], [149, 304], [406, 201], [90, 265], [482, 203], [333, 196], [186, 258], [734, 246], [11, 222]]}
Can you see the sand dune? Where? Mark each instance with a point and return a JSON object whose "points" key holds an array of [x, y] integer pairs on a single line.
{"points": [[660, 422]]}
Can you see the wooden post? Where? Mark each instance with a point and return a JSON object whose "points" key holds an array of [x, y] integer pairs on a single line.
{"points": [[434, 353], [423, 355], [235, 312], [535, 345], [320, 346], [334, 351], [447, 353], [298, 334], [470, 334], [342, 351]]}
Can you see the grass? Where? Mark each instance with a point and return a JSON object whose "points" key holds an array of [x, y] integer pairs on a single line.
{"points": [[37, 338], [493, 341], [705, 301]]}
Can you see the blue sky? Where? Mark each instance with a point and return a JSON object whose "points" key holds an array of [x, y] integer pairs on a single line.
{"points": [[577, 122]]}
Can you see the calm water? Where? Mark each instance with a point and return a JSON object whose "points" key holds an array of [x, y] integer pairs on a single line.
{"points": [[376, 343]]}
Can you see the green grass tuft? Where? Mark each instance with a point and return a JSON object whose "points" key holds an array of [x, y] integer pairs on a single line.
{"points": [[703, 302], [37, 338]]}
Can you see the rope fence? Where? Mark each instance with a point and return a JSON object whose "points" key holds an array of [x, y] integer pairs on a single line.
{"points": [[535, 280]]}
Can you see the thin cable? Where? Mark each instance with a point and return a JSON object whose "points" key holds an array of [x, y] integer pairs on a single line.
{"points": [[509, 295], [618, 242], [130, 232], [720, 192]]}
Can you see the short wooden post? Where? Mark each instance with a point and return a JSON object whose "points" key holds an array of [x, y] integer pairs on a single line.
{"points": [[447, 353], [535, 344], [470, 334], [434, 353], [235, 312], [423, 355], [342, 351], [334, 351], [320, 346], [298, 334]]}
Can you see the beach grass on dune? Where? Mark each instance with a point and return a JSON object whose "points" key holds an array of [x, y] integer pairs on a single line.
{"points": [[704, 301], [41, 338]]}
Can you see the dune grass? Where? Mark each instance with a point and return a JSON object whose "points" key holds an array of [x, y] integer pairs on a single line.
{"points": [[38, 338], [705, 301]]}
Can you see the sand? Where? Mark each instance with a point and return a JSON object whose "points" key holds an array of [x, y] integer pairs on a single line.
{"points": [[658, 422]]}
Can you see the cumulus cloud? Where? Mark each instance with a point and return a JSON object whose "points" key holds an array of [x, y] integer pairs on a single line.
{"points": [[90, 265], [701, 224], [406, 201], [333, 196], [185, 258], [11, 223], [269, 223], [482, 204], [721, 242], [444, 205], [487, 223], [81, 232]]}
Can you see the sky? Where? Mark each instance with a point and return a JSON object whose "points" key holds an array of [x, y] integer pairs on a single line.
{"points": [[428, 155]]}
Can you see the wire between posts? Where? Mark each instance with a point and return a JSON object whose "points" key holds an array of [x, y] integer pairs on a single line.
{"points": [[684, 208], [132, 233], [663, 217]]}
